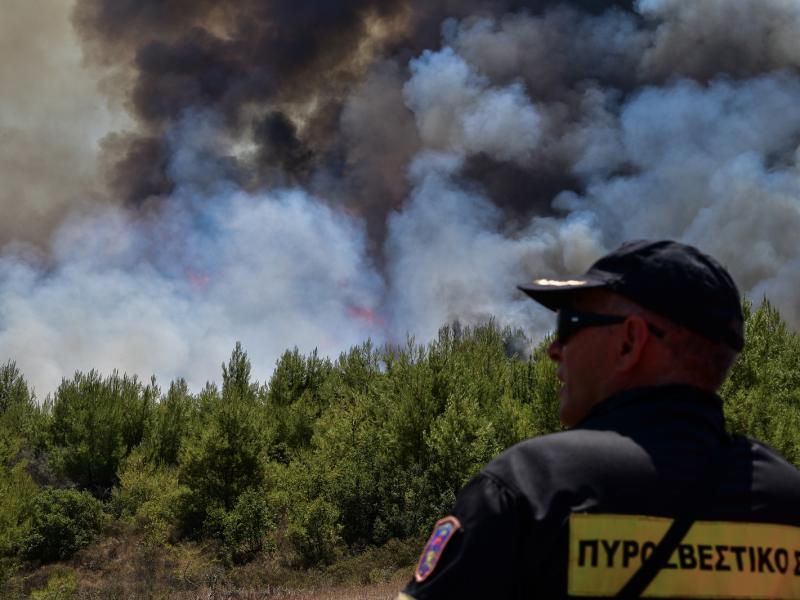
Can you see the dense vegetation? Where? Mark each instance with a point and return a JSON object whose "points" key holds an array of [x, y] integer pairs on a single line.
{"points": [[328, 459]]}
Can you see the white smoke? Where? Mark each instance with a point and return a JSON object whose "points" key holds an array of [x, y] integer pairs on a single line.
{"points": [[172, 296], [453, 258], [456, 109]]}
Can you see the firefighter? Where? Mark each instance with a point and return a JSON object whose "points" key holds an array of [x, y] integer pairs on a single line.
{"points": [[645, 493]]}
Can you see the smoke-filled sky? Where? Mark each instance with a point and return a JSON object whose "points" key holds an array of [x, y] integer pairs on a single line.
{"points": [[181, 174]]}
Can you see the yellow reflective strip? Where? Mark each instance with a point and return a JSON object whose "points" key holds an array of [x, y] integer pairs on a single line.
{"points": [[714, 560], [404, 596]]}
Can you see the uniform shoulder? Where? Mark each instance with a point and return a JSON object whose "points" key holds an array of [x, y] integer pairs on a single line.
{"points": [[765, 476], [763, 454], [566, 446], [562, 455]]}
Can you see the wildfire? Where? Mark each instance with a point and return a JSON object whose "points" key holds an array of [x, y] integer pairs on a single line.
{"points": [[366, 315]]}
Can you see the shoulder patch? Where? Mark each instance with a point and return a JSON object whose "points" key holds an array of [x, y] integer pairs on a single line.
{"points": [[442, 533]]}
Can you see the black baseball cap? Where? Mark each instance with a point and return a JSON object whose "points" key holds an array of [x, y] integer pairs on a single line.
{"points": [[674, 280]]}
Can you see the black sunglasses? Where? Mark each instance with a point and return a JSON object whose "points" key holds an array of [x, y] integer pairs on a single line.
{"points": [[571, 322]]}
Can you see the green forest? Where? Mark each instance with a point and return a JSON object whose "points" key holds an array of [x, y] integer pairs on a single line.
{"points": [[328, 462]]}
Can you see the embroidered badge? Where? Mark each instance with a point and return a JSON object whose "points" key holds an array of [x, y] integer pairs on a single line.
{"points": [[442, 533]]}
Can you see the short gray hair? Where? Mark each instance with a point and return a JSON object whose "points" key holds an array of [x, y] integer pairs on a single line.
{"points": [[705, 361]]}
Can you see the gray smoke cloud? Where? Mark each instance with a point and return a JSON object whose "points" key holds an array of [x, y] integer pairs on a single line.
{"points": [[702, 40], [711, 161], [384, 168], [51, 121], [716, 166]]}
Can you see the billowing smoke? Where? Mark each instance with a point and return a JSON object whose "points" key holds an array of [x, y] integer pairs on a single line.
{"points": [[313, 173], [51, 121], [168, 291]]}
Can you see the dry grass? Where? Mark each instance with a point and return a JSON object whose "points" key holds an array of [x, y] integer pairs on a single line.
{"points": [[378, 591], [122, 567]]}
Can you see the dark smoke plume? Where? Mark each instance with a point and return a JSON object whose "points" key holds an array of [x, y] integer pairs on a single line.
{"points": [[281, 73]]}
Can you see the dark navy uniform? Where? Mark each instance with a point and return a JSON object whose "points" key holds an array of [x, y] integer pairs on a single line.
{"points": [[575, 513]]}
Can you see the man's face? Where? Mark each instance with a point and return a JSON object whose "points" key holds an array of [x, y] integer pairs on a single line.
{"points": [[585, 362]]}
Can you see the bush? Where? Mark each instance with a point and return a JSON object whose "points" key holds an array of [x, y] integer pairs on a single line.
{"points": [[61, 523], [314, 531], [246, 527], [461, 441], [149, 497]]}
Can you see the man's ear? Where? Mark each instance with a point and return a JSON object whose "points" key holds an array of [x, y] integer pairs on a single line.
{"points": [[634, 339]]}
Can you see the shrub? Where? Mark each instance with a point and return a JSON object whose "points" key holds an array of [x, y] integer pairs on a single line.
{"points": [[461, 441], [245, 528], [314, 531], [149, 497], [61, 523]]}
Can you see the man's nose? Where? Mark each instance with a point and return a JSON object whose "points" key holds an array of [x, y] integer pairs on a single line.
{"points": [[554, 350]]}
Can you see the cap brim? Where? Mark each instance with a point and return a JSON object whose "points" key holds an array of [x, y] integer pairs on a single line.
{"points": [[558, 293]]}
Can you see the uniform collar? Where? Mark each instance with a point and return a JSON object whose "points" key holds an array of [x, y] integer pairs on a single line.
{"points": [[649, 401]]}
